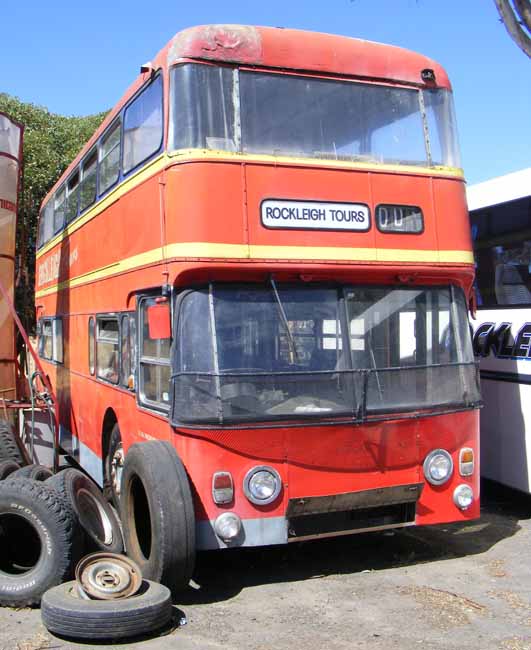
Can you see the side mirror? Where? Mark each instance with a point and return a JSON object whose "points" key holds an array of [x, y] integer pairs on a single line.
{"points": [[159, 322]]}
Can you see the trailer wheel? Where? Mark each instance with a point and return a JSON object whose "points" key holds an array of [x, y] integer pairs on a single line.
{"points": [[9, 449], [36, 538], [35, 472], [7, 467], [93, 513], [158, 514], [65, 613], [113, 467]]}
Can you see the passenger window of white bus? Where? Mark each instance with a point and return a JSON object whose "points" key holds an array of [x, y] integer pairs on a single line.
{"points": [[107, 349], [143, 126], [87, 192], [110, 158], [154, 356], [59, 210], [72, 197]]}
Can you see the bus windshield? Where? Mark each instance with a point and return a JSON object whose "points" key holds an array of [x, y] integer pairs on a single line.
{"points": [[262, 353], [283, 114]]}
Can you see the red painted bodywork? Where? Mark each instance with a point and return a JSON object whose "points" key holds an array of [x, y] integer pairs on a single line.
{"points": [[218, 200]]}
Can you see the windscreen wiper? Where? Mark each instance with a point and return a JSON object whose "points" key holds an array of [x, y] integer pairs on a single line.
{"points": [[292, 348]]}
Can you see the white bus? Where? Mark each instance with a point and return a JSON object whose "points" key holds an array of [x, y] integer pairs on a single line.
{"points": [[500, 215]]}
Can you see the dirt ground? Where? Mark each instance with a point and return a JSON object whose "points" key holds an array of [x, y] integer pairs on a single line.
{"points": [[464, 586]]}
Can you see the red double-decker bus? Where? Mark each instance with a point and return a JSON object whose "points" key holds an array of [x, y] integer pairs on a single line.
{"points": [[259, 267]]}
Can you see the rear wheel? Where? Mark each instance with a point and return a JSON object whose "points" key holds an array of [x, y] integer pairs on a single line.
{"points": [[158, 514]]}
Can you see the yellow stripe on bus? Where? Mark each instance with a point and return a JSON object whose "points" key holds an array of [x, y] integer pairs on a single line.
{"points": [[183, 156], [209, 251]]}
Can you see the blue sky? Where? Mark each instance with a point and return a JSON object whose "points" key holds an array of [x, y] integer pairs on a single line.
{"points": [[78, 58]]}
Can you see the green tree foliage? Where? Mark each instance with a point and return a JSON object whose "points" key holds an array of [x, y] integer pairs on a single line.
{"points": [[50, 143]]}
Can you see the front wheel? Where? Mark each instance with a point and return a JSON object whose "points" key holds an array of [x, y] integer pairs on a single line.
{"points": [[158, 514], [114, 465]]}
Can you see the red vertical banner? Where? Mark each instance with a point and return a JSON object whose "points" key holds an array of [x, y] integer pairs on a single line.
{"points": [[11, 134]]}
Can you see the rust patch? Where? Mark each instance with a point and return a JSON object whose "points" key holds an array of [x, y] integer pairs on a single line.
{"points": [[231, 43]]}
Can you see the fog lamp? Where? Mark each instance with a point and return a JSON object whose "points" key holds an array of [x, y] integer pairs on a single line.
{"points": [[463, 496], [438, 466], [262, 485], [228, 526]]}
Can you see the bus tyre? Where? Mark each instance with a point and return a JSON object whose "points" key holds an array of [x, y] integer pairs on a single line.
{"points": [[9, 449], [158, 514], [113, 467], [65, 613], [7, 467], [37, 541], [35, 472], [95, 516]]}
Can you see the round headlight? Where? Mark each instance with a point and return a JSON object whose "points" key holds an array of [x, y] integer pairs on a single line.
{"points": [[438, 467], [228, 526], [463, 496], [262, 485]]}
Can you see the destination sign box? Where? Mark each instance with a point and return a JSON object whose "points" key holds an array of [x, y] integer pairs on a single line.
{"points": [[314, 215]]}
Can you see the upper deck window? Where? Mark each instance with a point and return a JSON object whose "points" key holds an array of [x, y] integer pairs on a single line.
{"points": [[311, 117], [72, 197], [59, 209], [143, 125], [87, 194], [110, 157]]}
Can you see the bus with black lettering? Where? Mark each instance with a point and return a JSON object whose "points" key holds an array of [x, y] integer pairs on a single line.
{"points": [[500, 212], [252, 294]]}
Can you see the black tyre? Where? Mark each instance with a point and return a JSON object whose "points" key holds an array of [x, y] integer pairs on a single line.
{"points": [[94, 514], [66, 614], [158, 514], [9, 449], [35, 472], [113, 468], [7, 467], [36, 541]]}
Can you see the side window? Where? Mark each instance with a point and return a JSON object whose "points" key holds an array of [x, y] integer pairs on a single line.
{"points": [[46, 223], [110, 157], [87, 190], [154, 371], [129, 351], [143, 126], [107, 348], [91, 343], [72, 197], [59, 210], [51, 339]]}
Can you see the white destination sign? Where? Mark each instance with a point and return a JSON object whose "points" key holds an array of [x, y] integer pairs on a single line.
{"points": [[315, 215]]}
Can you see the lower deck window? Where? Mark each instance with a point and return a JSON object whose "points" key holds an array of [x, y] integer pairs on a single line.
{"points": [[51, 339], [107, 349], [154, 370]]}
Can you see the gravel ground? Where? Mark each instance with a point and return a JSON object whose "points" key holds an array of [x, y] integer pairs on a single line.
{"points": [[464, 586]]}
